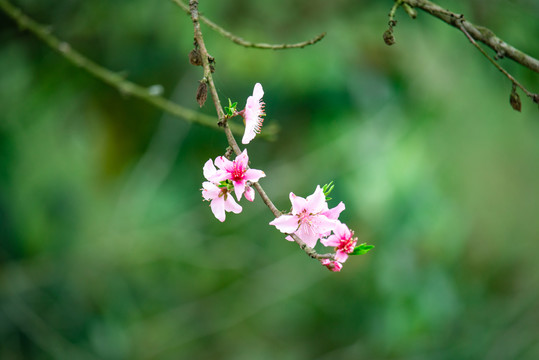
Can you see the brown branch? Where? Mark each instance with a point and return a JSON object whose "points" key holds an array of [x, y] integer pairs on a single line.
{"points": [[223, 121], [111, 78], [238, 40], [479, 33], [534, 97], [474, 33]]}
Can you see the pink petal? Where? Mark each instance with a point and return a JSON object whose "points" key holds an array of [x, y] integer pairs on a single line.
{"points": [[239, 188], [343, 231], [285, 223], [253, 123], [223, 163], [253, 175], [308, 236], [333, 240], [209, 169], [231, 205], [218, 208], [341, 256], [249, 193], [335, 212], [210, 191], [322, 224], [317, 201], [243, 159], [219, 176], [258, 92], [289, 238], [298, 203], [252, 114]]}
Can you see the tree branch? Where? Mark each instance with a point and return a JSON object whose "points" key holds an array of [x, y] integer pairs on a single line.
{"points": [[473, 33], [223, 121], [534, 97], [111, 78], [238, 40], [477, 32]]}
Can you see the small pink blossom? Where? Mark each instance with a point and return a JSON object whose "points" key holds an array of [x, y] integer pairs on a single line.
{"points": [[334, 266], [221, 200], [219, 196], [249, 193], [344, 241], [237, 172], [307, 219], [253, 114]]}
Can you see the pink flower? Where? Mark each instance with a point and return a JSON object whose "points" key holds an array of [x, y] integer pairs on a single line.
{"points": [[334, 266], [238, 173], [252, 114], [308, 219], [221, 200], [219, 195], [343, 241]]}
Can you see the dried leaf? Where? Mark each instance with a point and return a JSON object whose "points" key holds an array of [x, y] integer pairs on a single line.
{"points": [[514, 100], [389, 39], [195, 58], [202, 93]]}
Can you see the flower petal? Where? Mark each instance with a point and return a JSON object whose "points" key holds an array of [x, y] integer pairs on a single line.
{"points": [[210, 191], [298, 203], [239, 188], [341, 256], [223, 163], [335, 212], [258, 92], [285, 223], [218, 208], [253, 114], [307, 234], [231, 205], [253, 175], [332, 240], [317, 201], [209, 169], [322, 224], [242, 159]]}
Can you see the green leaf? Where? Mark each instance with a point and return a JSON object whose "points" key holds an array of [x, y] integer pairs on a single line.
{"points": [[361, 249], [231, 108], [327, 189]]}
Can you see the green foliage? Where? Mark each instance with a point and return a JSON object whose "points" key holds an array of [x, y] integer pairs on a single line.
{"points": [[362, 249], [231, 108], [327, 188]]}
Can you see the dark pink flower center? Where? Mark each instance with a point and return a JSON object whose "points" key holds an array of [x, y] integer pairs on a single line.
{"points": [[347, 245], [237, 172]]}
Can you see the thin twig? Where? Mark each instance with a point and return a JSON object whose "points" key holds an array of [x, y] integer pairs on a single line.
{"points": [[111, 78], [195, 17], [531, 95], [477, 32], [238, 40]]}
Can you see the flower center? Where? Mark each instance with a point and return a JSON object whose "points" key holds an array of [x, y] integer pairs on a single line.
{"points": [[348, 244], [237, 172]]}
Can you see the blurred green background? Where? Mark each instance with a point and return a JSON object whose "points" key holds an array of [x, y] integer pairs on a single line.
{"points": [[108, 252]]}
